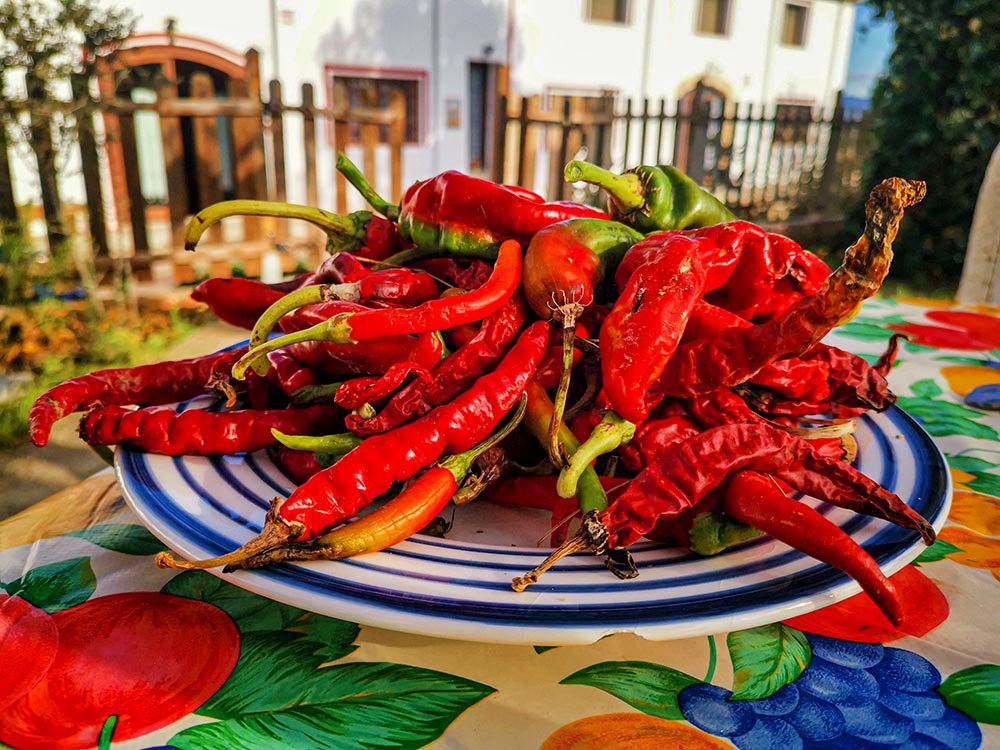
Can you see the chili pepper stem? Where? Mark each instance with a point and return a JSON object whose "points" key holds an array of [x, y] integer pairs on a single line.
{"points": [[566, 312], [354, 176], [405, 257], [308, 295], [626, 189], [336, 329], [334, 225], [314, 394], [337, 445], [609, 434], [276, 532], [592, 537]]}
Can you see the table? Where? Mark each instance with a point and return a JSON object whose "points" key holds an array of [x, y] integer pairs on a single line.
{"points": [[192, 662]]}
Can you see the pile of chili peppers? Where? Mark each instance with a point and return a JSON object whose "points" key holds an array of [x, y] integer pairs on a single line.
{"points": [[654, 371]]}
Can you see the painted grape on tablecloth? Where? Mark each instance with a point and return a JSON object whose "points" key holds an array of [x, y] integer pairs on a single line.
{"points": [[805, 692]]}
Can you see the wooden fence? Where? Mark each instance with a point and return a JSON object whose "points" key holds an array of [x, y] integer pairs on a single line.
{"points": [[106, 130], [766, 162]]}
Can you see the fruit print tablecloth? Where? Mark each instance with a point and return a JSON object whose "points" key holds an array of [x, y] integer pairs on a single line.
{"points": [[99, 648]]}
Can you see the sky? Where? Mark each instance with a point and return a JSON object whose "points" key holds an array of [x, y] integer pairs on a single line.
{"points": [[871, 46]]}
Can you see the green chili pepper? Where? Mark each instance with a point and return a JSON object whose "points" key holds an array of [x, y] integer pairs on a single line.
{"points": [[652, 198]]}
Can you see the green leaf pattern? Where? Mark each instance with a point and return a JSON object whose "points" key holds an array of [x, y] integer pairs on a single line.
{"points": [[765, 659]]}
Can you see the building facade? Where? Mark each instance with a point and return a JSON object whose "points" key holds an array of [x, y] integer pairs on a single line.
{"points": [[451, 58]]}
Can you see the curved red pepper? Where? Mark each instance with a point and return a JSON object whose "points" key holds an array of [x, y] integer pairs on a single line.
{"points": [[198, 432], [453, 375], [689, 470], [161, 383], [646, 323], [356, 393]]}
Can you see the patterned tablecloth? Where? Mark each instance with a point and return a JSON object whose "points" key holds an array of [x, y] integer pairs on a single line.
{"points": [[143, 658]]}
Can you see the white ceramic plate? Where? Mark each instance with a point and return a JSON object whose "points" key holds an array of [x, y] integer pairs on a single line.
{"points": [[460, 587]]}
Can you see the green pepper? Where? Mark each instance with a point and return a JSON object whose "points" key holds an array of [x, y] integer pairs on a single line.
{"points": [[652, 198]]}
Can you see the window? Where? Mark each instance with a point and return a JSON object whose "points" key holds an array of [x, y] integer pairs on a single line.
{"points": [[379, 93], [713, 17], [791, 122], [607, 11], [793, 25]]}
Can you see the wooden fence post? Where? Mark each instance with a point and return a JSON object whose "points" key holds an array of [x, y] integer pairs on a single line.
{"points": [[557, 184], [500, 139], [828, 182], [248, 144], [522, 140], [206, 145], [8, 208], [89, 165], [276, 109], [309, 138], [178, 200], [133, 186]]}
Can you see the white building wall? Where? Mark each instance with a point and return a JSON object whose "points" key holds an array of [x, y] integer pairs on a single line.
{"points": [[554, 45]]}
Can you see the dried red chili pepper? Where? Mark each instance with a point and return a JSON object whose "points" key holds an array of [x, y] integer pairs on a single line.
{"points": [[466, 275], [646, 323], [451, 376], [688, 471], [198, 432], [400, 518], [368, 471], [236, 301], [737, 354], [653, 437], [288, 374], [146, 385], [365, 357], [365, 325], [755, 500], [465, 215], [360, 232], [355, 393]]}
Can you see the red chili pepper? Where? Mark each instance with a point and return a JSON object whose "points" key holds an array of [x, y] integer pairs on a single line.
{"points": [[365, 325], [288, 374], [465, 215], [360, 232], [298, 465], [198, 432], [653, 437], [451, 376], [738, 354], [161, 383], [368, 471], [755, 500], [646, 323], [355, 393], [690, 470], [236, 301], [366, 357], [791, 377], [466, 275], [400, 518]]}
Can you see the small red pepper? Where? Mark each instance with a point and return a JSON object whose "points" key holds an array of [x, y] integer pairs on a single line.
{"points": [[340, 492], [365, 325], [198, 432], [355, 393], [453, 375], [757, 501], [465, 215], [146, 385], [644, 327]]}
